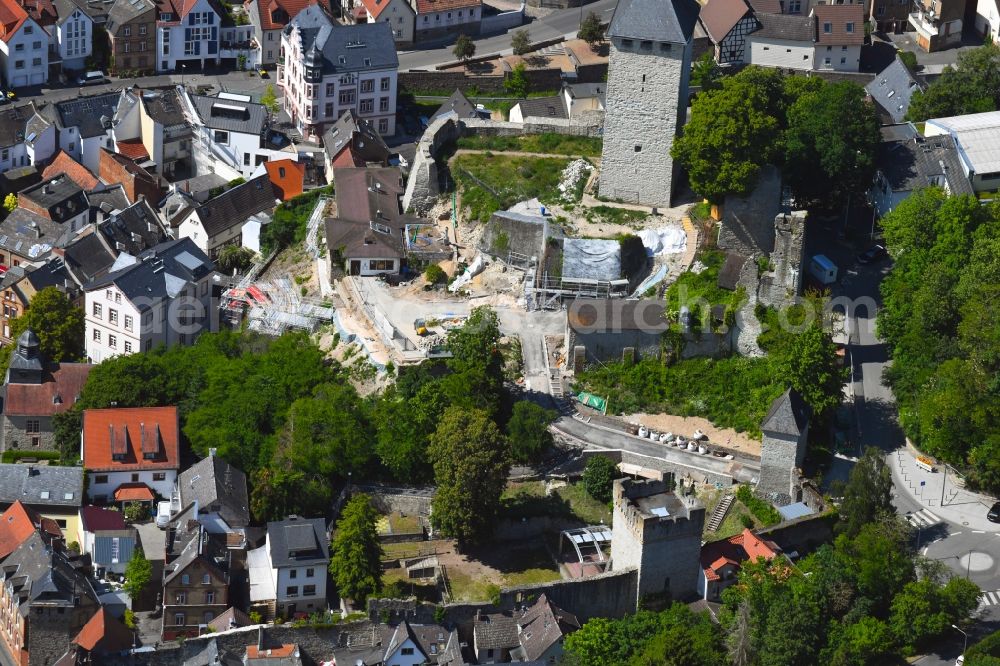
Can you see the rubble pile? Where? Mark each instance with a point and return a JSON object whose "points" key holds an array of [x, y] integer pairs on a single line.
{"points": [[572, 174]]}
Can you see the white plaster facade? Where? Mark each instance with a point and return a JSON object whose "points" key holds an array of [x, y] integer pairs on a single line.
{"points": [[192, 39], [838, 58], [193, 228], [292, 585], [24, 56], [13, 156], [787, 54], [646, 106], [406, 653], [73, 35], [431, 23], [102, 485], [988, 20]]}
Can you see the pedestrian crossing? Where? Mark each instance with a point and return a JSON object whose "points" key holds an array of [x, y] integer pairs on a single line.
{"points": [[922, 518], [989, 599]]}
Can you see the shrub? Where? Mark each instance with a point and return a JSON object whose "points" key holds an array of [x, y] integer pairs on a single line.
{"points": [[129, 618], [434, 274], [761, 510], [599, 476], [256, 617], [135, 512], [493, 591], [14, 455]]}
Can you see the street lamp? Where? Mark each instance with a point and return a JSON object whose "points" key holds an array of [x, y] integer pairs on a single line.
{"points": [[965, 644], [183, 67]]}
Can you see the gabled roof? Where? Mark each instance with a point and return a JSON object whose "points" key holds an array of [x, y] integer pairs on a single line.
{"points": [[918, 162], [39, 572], [12, 17], [18, 523], [187, 542], [298, 541], [344, 48], [458, 104], [230, 115], [400, 636], [133, 229], [41, 485], [90, 115], [892, 89], [788, 27], [59, 195], [494, 631], [287, 177], [543, 625], [839, 17], [231, 618], [163, 107], [28, 234], [234, 206], [124, 11], [214, 482], [655, 20], [734, 551], [358, 136], [63, 163], [789, 415], [134, 438], [275, 14], [61, 386], [162, 272], [719, 17], [544, 107], [104, 633]]}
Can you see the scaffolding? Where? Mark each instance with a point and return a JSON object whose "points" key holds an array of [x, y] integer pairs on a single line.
{"points": [[275, 307]]}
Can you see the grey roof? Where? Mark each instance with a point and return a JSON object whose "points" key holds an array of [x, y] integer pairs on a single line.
{"points": [[366, 143], [133, 229], [59, 195], [892, 89], [344, 48], [219, 487], [53, 273], [298, 542], [230, 115], [541, 626], [41, 485], [457, 103], [38, 572], [186, 542], [493, 631], [212, 655], [64, 10], [544, 107], [164, 106], [789, 27], [234, 206], [655, 20], [911, 164], [124, 11], [90, 115], [108, 199], [159, 273], [789, 415], [586, 90], [34, 127], [30, 235], [12, 123]]}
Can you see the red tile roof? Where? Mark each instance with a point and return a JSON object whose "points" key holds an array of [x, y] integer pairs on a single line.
{"points": [[838, 16], [130, 431], [53, 396], [98, 519], [12, 16], [253, 652], [75, 171], [431, 6], [18, 523], [42, 11], [271, 9], [133, 149], [134, 492], [104, 633], [734, 551], [375, 7], [287, 176]]}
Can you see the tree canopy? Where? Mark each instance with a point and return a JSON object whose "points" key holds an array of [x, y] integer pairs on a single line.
{"points": [[811, 366], [971, 86], [58, 324], [599, 475], [355, 553], [591, 30], [464, 47], [528, 431], [868, 494], [520, 42]]}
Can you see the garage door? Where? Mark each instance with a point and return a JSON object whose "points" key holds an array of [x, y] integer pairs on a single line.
{"points": [[37, 79], [20, 80]]}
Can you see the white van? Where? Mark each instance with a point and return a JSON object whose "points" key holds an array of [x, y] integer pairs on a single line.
{"points": [[162, 515], [822, 269]]}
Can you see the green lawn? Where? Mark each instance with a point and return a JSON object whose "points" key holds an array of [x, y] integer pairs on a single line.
{"points": [[694, 289], [612, 215], [527, 500], [507, 180], [396, 523], [396, 585], [553, 144]]}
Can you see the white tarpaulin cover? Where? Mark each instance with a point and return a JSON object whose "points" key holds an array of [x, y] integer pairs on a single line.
{"points": [[668, 240]]}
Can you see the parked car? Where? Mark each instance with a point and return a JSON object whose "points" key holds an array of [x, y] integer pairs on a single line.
{"points": [[162, 515], [873, 254], [91, 78], [993, 515], [262, 72]]}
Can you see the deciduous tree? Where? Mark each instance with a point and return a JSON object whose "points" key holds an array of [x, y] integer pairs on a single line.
{"points": [[971, 86], [528, 430], [868, 494], [138, 573], [464, 48], [591, 30], [520, 42], [58, 324], [356, 556], [599, 475]]}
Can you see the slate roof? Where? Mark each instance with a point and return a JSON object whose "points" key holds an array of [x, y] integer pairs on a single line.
{"points": [[64, 10], [37, 572], [35, 126], [108, 199], [41, 485], [164, 106], [909, 165], [61, 386], [89, 114], [139, 431], [789, 415], [495, 631], [839, 16], [133, 229], [719, 17], [230, 619], [230, 115], [655, 20], [789, 27], [892, 89], [63, 163], [234, 206], [457, 103], [186, 543], [298, 542], [30, 235], [544, 107], [541, 626], [161, 272], [344, 48], [59, 195], [124, 11], [217, 486], [358, 135]]}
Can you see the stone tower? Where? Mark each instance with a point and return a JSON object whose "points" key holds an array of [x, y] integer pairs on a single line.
{"points": [[659, 534], [783, 447], [646, 101]]}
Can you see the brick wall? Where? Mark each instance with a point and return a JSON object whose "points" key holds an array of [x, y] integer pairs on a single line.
{"points": [[111, 171]]}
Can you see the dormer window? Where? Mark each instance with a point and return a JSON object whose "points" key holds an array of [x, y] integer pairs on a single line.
{"points": [[44, 494]]}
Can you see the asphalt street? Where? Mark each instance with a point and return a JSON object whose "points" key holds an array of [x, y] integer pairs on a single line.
{"points": [[557, 24]]}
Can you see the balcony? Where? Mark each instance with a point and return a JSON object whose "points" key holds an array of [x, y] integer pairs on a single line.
{"points": [[924, 21]]}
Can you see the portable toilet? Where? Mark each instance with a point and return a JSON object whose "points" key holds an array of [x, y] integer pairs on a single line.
{"points": [[824, 270]]}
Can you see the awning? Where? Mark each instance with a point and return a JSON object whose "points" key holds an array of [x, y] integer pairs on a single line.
{"points": [[134, 492]]}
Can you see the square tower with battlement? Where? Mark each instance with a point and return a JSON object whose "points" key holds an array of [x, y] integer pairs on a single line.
{"points": [[647, 94], [658, 533]]}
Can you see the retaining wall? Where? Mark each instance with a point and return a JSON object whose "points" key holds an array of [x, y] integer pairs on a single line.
{"points": [[803, 535], [502, 21]]}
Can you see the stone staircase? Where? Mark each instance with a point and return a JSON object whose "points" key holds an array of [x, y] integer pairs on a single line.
{"points": [[721, 509]]}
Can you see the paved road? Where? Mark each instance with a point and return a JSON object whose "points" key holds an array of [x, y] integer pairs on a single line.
{"points": [[557, 24]]}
